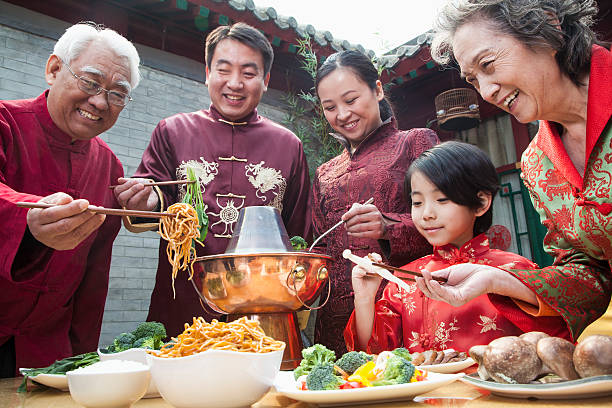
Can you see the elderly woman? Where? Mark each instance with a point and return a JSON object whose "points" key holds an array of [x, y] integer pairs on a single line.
{"points": [[540, 60]]}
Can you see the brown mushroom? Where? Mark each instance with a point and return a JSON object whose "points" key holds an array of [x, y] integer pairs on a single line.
{"points": [[533, 337], [417, 358], [512, 360], [593, 356], [477, 353], [557, 354]]}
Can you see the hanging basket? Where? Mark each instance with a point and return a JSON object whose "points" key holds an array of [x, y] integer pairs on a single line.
{"points": [[457, 109]]}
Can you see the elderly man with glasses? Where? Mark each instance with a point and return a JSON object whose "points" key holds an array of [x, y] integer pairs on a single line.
{"points": [[54, 262]]}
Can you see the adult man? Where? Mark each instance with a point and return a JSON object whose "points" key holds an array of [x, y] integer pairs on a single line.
{"points": [[240, 158], [54, 262]]}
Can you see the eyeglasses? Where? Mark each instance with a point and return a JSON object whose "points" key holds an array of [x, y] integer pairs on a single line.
{"points": [[91, 87]]}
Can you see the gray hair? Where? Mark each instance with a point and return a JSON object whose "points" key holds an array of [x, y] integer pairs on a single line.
{"points": [[563, 25], [77, 38]]}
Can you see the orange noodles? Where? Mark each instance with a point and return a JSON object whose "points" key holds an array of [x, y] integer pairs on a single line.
{"points": [[239, 335], [179, 231]]}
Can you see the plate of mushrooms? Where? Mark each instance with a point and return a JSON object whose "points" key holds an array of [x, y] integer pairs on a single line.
{"points": [[536, 365], [445, 361]]}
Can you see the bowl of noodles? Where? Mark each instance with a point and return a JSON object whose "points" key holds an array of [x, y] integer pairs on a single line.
{"points": [[216, 364]]}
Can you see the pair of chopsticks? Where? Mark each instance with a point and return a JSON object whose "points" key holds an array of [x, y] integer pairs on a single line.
{"points": [[161, 183], [413, 273], [103, 210], [339, 223]]}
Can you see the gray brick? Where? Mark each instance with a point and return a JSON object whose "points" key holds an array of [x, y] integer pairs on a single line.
{"points": [[135, 294], [22, 66], [10, 75], [26, 89], [14, 55], [137, 316], [124, 305], [163, 78]]}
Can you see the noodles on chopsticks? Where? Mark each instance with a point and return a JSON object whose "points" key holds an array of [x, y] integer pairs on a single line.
{"points": [[179, 231], [239, 335]]}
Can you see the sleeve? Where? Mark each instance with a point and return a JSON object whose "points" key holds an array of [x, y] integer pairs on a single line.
{"points": [[12, 233], [296, 202], [404, 243], [576, 286], [155, 165], [387, 327], [90, 297], [551, 323]]}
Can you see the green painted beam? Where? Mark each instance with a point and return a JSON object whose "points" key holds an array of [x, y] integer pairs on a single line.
{"points": [[292, 48], [201, 23], [276, 41], [203, 11], [223, 20], [430, 64], [399, 80], [182, 4], [413, 73]]}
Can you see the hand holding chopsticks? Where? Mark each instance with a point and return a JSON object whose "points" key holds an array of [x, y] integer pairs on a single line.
{"points": [[102, 210]]}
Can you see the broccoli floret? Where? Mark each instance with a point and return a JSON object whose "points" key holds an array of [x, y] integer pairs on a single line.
{"points": [[298, 243], [123, 342], [397, 371], [151, 330], [322, 377], [145, 342], [402, 352], [312, 356], [352, 360]]}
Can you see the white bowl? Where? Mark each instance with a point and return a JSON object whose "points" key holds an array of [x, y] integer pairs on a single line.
{"points": [[215, 378], [118, 389], [134, 354]]}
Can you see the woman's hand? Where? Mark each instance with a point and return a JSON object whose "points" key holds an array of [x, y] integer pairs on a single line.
{"points": [[65, 226], [131, 193], [468, 281], [365, 221], [366, 285]]}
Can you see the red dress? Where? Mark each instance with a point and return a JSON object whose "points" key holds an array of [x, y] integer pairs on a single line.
{"points": [[51, 301], [375, 169], [412, 320], [249, 163]]}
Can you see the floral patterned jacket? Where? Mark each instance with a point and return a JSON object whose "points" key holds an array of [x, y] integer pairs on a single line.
{"points": [[412, 320], [574, 209]]}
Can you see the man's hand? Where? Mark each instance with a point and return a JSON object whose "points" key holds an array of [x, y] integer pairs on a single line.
{"points": [[131, 193], [65, 226], [364, 221]]}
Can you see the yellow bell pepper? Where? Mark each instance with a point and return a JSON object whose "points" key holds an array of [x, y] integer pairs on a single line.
{"points": [[364, 374]]}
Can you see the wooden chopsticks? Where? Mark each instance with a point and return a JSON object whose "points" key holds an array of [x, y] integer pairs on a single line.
{"points": [[413, 273], [102, 210], [162, 183]]}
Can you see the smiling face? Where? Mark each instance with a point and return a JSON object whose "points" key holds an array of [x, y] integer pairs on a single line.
{"points": [[507, 73], [76, 113], [440, 220], [235, 79], [350, 105]]}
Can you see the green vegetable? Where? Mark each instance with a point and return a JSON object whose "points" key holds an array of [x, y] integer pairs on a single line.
{"points": [[298, 243], [193, 196], [323, 377], [402, 352], [123, 342], [312, 356], [351, 361], [153, 332], [145, 342], [397, 371], [59, 367]]}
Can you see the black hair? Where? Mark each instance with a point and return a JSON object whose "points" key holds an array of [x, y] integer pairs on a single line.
{"points": [[244, 34], [460, 171], [363, 67]]}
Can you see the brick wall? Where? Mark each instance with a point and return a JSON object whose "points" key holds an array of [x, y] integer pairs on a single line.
{"points": [[23, 55]]}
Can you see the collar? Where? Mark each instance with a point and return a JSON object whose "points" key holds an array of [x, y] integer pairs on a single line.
{"points": [[599, 108], [56, 136], [389, 123], [247, 120], [469, 252]]}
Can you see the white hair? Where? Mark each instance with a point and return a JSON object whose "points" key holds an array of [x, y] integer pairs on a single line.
{"points": [[77, 38]]}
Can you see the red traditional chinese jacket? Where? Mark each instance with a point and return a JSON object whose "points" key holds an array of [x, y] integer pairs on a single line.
{"points": [[375, 169], [412, 320], [576, 210], [51, 301], [239, 164]]}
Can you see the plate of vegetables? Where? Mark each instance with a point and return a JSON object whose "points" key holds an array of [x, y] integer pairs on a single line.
{"points": [[54, 376], [357, 377]]}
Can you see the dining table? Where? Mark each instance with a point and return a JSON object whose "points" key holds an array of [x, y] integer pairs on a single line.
{"points": [[456, 394]]}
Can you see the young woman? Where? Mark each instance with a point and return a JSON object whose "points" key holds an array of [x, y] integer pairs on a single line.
{"points": [[451, 190], [373, 164]]}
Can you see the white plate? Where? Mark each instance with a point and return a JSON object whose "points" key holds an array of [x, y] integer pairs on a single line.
{"points": [[448, 368], [585, 387], [58, 381], [285, 384]]}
